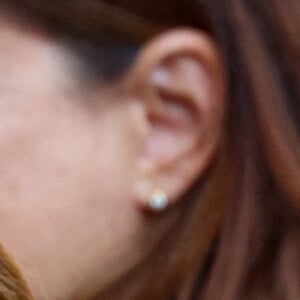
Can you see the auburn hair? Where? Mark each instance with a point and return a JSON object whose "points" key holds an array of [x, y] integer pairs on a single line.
{"points": [[238, 234]]}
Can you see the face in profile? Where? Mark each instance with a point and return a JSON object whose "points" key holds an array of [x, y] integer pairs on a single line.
{"points": [[79, 162], [143, 161]]}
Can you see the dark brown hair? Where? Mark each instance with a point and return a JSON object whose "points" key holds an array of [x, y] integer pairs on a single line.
{"points": [[238, 235]]}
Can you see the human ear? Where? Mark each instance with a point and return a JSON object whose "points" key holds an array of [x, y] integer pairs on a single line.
{"points": [[178, 83]]}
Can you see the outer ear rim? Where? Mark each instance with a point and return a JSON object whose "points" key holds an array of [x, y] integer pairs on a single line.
{"points": [[195, 42]]}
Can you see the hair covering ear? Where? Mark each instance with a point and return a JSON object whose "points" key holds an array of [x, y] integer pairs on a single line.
{"points": [[12, 283]]}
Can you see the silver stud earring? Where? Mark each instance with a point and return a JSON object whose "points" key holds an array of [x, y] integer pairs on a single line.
{"points": [[158, 201]]}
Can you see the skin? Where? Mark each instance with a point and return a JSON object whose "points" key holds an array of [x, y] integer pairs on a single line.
{"points": [[79, 164]]}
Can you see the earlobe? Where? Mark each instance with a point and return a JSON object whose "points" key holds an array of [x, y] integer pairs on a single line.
{"points": [[180, 84]]}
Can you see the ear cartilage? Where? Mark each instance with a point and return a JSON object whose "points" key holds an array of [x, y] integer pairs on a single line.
{"points": [[158, 201]]}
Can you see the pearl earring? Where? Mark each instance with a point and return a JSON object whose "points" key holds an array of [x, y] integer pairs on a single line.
{"points": [[158, 201]]}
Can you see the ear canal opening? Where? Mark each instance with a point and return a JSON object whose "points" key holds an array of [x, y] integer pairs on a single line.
{"points": [[174, 109]]}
